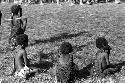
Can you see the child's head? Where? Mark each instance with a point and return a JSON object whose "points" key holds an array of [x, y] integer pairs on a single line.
{"points": [[66, 48], [22, 40], [16, 9], [101, 42]]}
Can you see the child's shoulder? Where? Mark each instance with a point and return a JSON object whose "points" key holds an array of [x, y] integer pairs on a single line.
{"points": [[20, 51], [102, 55]]}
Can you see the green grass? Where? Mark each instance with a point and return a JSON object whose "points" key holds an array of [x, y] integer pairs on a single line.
{"points": [[50, 25]]}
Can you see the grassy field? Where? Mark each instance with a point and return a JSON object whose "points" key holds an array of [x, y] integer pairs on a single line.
{"points": [[50, 25]]}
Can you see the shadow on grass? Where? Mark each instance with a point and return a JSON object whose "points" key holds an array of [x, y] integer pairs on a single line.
{"points": [[119, 65], [79, 48], [60, 37], [85, 72], [113, 68], [42, 65]]}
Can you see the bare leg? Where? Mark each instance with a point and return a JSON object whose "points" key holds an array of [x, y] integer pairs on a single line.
{"points": [[81, 3], [15, 1], [58, 2], [28, 1], [71, 3], [19, 61], [106, 1], [117, 1], [41, 2], [20, 2]]}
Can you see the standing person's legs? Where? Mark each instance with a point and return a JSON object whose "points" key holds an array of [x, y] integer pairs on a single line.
{"points": [[57, 2], [15, 1], [117, 1], [81, 2], [41, 2], [71, 3], [89, 2]]}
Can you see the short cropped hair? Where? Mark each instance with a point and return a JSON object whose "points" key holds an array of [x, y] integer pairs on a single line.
{"points": [[22, 40], [16, 9], [66, 48], [101, 42]]}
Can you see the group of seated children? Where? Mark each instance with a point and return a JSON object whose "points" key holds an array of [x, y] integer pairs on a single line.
{"points": [[64, 66]]}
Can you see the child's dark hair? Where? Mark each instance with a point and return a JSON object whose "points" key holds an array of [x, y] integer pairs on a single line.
{"points": [[66, 48], [101, 42], [16, 10], [22, 40]]}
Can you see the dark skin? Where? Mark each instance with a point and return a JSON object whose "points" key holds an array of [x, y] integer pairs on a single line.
{"points": [[103, 60], [104, 64], [20, 59]]}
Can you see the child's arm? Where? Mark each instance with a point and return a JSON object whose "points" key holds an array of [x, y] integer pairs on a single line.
{"points": [[100, 59], [107, 59], [100, 66], [24, 24], [25, 57]]}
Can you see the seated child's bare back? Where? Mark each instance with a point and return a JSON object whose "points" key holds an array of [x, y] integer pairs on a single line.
{"points": [[21, 55], [20, 59], [65, 64], [103, 60]]}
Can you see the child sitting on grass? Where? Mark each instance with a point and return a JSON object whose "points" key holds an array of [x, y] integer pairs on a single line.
{"points": [[103, 57], [102, 60], [65, 71], [20, 60]]}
